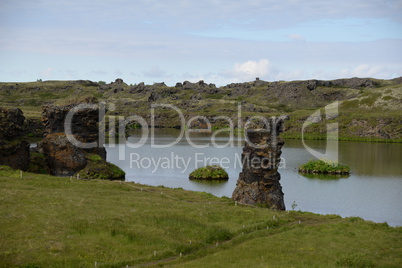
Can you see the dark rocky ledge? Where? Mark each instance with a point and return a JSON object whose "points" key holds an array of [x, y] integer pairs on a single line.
{"points": [[14, 148]]}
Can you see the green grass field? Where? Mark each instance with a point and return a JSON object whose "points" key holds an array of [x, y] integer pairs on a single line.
{"points": [[50, 221]]}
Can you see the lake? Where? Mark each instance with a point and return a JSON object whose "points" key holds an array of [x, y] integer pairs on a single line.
{"points": [[373, 191]]}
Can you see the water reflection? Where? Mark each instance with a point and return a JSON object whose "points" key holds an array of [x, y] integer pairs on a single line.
{"points": [[372, 159], [324, 176]]}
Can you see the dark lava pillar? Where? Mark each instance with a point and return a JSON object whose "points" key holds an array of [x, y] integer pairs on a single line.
{"points": [[258, 182]]}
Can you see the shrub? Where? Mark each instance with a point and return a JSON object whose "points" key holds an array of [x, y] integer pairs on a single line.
{"points": [[97, 168], [324, 167], [209, 173]]}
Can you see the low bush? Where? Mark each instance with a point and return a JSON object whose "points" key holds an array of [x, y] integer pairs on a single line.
{"points": [[324, 167]]}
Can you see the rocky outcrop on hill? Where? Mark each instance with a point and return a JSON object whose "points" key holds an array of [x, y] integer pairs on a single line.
{"points": [[258, 182], [33, 127], [199, 86], [140, 88], [64, 157], [67, 153], [84, 123], [365, 97], [354, 82], [397, 80], [11, 123], [14, 149], [86, 83], [303, 92]]}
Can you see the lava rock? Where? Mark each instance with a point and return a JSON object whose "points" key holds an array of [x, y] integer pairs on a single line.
{"points": [[64, 159], [258, 182], [14, 149]]}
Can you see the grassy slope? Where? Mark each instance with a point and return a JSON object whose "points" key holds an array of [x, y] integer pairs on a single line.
{"points": [[57, 222]]}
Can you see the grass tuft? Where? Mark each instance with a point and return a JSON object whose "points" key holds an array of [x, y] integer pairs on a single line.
{"points": [[213, 172], [324, 167]]}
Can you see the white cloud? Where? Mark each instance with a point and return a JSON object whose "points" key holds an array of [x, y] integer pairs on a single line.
{"points": [[365, 70], [249, 70], [243, 72], [113, 34]]}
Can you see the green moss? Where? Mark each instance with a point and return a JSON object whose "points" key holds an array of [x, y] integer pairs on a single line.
{"points": [[38, 164], [387, 98], [209, 173], [33, 102], [324, 167], [6, 170], [215, 96], [370, 100], [48, 95], [97, 168], [355, 260], [350, 104], [94, 157]]}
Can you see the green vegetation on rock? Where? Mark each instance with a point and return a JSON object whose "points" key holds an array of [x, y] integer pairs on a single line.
{"points": [[324, 167], [209, 173], [38, 163], [369, 108], [97, 168]]}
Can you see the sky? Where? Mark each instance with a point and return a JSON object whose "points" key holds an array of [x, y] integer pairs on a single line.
{"points": [[218, 41]]}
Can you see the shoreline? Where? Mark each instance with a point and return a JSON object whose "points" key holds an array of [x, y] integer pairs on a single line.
{"points": [[309, 136], [142, 186], [121, 223]]}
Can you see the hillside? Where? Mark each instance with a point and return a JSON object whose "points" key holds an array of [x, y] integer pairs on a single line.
{"points": [[61, 222], [369, 108]]}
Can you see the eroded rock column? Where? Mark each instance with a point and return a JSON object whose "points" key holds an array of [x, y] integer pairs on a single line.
{"points": [[14, 149], [258, 182]]}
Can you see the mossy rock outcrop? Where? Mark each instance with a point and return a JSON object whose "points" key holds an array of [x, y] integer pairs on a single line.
{"points": [[209, 173], [323, 167], [14, 149], [63, 157], [97, 168], [6, 170], [38, 163]]}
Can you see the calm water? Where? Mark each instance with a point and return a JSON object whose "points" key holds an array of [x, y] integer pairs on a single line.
{"points": [[373, 191]]}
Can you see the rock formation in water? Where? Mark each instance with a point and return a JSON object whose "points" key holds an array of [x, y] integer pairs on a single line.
{"points": [[14, 149], [258, 182]]}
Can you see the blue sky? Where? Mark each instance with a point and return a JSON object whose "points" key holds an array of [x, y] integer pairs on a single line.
{"points": [[219, 41]]}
